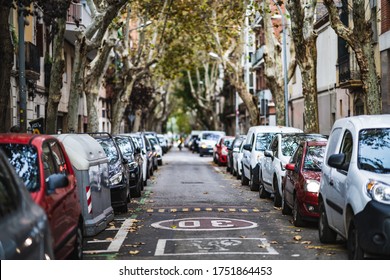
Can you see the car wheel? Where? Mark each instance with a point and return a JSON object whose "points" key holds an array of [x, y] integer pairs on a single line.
{"points": [[286, 210], [326, 234], [253, 186], [77, 253], [151, 172], [160, 162], [244, 180], [262, 192], [297, 217], [277, 196], [238, 176], [355, 251], [200, 154], [136, 192]]}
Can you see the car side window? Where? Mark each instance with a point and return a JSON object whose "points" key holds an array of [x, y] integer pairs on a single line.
{"points": [[298, 157], [59, 157], [274, 145], [332, 142], [49, 166], [347, 147]]}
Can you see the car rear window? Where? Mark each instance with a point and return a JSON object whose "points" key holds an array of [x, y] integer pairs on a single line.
{"points": [[374, 150], [109, 148], [314, 158], [24, 158]]}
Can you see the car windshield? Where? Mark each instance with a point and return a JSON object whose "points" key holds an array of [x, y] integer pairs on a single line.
{"points": [[24, 159], [153, 141], [125, 147], [314, 158], [238, 142], [109, 148], [289, 144], [211, 136], [263, 140], [374, 150], [139, 140]]}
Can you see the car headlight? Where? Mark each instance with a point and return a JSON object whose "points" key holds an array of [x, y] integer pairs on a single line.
{"points": [[312, 186], [378, 191], [116, 179], [203, 145]]}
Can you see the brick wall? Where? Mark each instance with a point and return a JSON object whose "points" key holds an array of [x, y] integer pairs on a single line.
{"points": [[385, 16]]}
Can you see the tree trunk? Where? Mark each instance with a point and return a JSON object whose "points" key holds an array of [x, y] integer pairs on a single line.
{"points": [[304, 38], [77, 84], [250, 102], [7, 56], [93, 118], [57, 71], [137, 120], [119, 106]]}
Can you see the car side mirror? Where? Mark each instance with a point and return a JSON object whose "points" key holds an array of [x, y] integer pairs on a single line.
{"points": [[290, 166], [338, 161], [247, 147], [269, 153], [56, 181]]}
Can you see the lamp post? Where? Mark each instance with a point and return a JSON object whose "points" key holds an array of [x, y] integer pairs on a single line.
{"points": [[285, 73]]}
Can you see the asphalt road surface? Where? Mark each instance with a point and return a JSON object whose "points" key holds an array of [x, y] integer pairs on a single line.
{"points": [[193, 209]]}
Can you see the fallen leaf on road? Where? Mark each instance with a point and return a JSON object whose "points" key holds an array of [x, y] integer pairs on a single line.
{"points": [[274, 242], [134, 252], [173, 226], [297, 237], [206, 193], [306, 242], [242, 236], [298, 230]]}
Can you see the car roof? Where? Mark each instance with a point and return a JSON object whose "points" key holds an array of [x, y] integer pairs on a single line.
{"points": [[23, 138], [365, 121], [273, 128]]}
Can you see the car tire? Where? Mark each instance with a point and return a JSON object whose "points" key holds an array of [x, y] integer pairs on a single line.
{"points": [[238, 176], [244, 180], [253, 186], [77, 253], [355, 251], [286, 210], [262, 192], [325, 233], [136, 192], [297, 217], [277, 196]]}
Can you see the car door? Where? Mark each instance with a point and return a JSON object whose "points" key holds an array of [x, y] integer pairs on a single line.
{"points": [[267, 166], [336, 192], [293, 176], [246, 157], [54, 203]]}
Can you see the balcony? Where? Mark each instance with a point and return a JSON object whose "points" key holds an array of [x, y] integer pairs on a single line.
{"points": [[78, 17], [32, 61], [257, 57], [349, 77]]}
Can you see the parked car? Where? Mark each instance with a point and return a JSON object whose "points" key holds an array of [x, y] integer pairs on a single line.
{"points": [[276, 156], [221, 149], [163, 143], [118, 171], [157, 151], [207, 141], [237, 159], [16, 206], [354, 198], [232, 149], [126, 146], [302, 182], [257, 141], [43, 164], [147, 155]]}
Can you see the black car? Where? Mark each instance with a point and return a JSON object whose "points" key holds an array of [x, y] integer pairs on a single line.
{"points": [[118, 171], [25, 231], [126, 145]]}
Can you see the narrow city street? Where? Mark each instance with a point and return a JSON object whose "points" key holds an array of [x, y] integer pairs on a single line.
{"points": [[193, 209]]}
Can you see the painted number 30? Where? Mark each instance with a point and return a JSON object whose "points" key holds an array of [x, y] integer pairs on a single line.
{"points": [[213, 223]]}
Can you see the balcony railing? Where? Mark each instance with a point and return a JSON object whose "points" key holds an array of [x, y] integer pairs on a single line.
{"points": [[348, 75], [257, 56]]}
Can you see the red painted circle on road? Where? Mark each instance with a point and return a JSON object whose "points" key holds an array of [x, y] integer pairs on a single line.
{"points": [[204, 223]]}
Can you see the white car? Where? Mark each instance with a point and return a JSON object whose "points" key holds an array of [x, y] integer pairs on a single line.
{"points": [[275, 158], [237, 156], [257, 140], [207, 141], [354, 196], [158, 150]]}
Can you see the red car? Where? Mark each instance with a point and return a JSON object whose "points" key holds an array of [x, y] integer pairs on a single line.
{"points": [[221, 149], [42, 163], [302, 182]]}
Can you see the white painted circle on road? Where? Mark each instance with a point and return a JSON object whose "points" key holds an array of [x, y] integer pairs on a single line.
{"points": [[204, 224]]}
